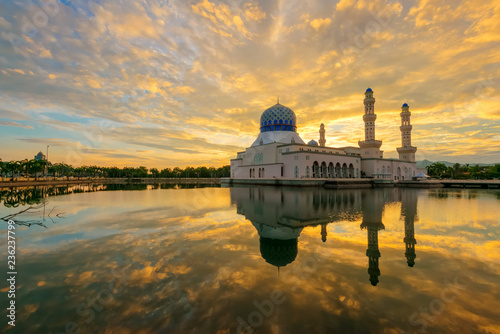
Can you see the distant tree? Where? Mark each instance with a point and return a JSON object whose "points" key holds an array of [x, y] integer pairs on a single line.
{"points": [[154, 172], [437, 170]]}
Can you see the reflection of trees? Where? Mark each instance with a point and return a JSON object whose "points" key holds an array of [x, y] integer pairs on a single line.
{"points": [[17, 217], [439, 194], [14, 197], [454, 193]]}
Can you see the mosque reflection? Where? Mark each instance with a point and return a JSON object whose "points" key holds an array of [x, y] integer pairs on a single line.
{"points": [[280, 214]]}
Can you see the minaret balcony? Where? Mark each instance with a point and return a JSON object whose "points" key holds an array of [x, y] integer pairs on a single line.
{"points": [[369, 143], [369, 117], [406, 149], [406, 127]]}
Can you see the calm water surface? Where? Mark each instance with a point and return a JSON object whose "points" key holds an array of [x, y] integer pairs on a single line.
{"points": [[271, 260]]}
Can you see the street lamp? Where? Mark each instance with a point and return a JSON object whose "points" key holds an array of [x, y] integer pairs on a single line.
{"points": [[47, 162]]}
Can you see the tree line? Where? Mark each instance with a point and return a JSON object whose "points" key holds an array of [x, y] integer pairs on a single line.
{"points": [[466, 171], [36, 168]]}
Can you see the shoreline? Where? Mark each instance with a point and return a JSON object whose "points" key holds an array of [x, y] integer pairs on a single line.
{"points": [[363, 183], [31, 183], [326, 183]]}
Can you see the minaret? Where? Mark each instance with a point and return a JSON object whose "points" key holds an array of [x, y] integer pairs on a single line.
{"points": [[323, 232], [407, 152], [409, 211], [322, 140], [370, 147], [373, 207]]}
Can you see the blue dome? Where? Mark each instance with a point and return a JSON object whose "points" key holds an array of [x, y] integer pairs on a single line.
{"points": [[313, 143], [278, 118], [405, 105], [369, 90]]}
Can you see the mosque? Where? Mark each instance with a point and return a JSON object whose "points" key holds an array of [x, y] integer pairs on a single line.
{"points": [[280, 153]]}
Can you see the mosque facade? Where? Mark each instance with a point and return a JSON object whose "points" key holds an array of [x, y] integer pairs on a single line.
{"points": [[280, 153]]}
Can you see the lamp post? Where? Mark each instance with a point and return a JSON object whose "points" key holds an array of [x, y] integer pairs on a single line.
{"points": [[47, 162]]}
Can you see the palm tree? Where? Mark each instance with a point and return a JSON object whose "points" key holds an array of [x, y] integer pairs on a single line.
{"points": [[12, 166], [24, 166], [2, 168], [37, 166]]}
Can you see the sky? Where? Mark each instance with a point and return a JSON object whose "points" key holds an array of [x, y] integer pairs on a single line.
{"points": [[183, 83]]}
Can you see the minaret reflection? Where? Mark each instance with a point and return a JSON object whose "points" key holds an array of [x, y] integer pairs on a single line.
{"points": [[409, 212], [373, 207]]}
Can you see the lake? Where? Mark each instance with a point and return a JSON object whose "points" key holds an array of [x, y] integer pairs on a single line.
{"points": [[175, 259]]}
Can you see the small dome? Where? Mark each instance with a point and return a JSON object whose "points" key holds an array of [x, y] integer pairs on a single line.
{"points": [[313, 143], [369, 90], [278, 118], [405, 105]]}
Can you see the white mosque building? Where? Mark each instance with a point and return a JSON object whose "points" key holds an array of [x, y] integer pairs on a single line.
{"points": [[280, 153]]}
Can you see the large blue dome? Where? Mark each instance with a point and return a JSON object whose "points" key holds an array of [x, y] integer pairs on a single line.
{"points": [[278, 118]]}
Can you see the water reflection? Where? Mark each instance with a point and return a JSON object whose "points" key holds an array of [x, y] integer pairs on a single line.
{"points": [[13, 197], [185, 261], [280, 214]]}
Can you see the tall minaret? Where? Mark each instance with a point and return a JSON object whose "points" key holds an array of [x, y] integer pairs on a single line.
{"points": [[407, 152], [409, 212], [322, 140], [370, 147], [373, 207]]}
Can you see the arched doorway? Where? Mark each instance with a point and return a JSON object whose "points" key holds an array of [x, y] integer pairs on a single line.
{"points": [[351, 171], [344, 171], [331, 171], [338, 172], [323, 169], [315, 168]]}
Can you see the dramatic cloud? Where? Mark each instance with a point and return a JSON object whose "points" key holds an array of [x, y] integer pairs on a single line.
{"points": [[167, 83]]}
